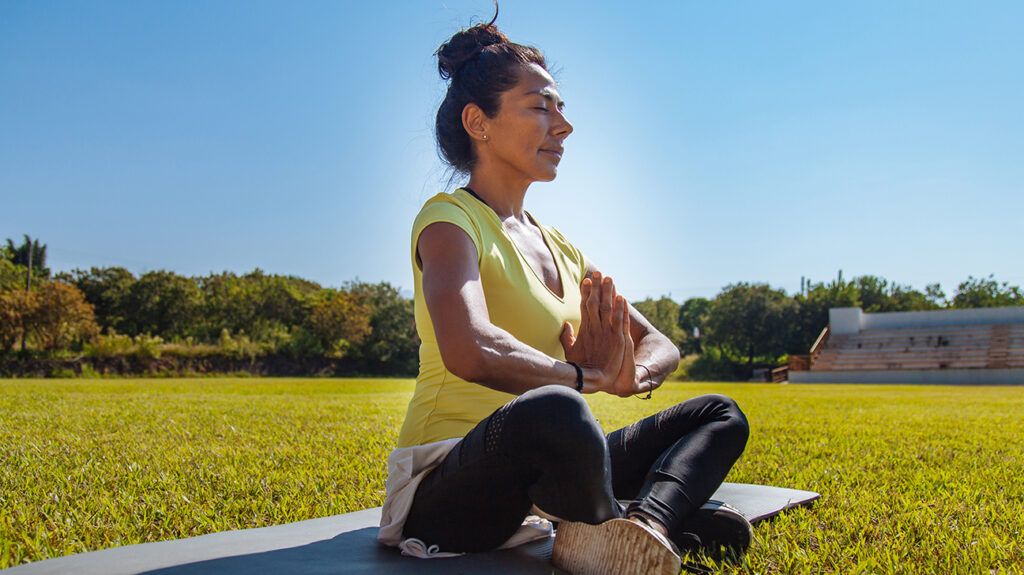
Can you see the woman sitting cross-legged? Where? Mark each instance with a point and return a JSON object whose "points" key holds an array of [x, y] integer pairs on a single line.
{"points": [[516, 326]]}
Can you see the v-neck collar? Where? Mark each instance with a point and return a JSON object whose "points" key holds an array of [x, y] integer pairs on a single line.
{"points": [[526, 262]]}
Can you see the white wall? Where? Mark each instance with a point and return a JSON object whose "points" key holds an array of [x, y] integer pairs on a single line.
{"points": [[851, 320], [845, 320]]}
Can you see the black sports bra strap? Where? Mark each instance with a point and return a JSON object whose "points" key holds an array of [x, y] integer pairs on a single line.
{"points": [[470, 190]]}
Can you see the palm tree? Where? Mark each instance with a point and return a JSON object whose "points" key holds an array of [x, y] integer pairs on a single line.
{"points": [[29, 254]]}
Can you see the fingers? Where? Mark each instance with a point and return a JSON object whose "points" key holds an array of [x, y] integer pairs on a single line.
{"points": [[625, 330], [568, 337], [590, 303], [625, 320], [607, 299], [616, 316], [604, 332], [597, 303]]}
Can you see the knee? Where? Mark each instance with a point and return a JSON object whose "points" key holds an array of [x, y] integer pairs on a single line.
{"points": [[558, 413], [554, 405], [731, 416]]}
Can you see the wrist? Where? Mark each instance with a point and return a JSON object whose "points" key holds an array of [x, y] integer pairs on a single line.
{"points": [[592, 380], [641, 373], [644, 376], [577, 376]]}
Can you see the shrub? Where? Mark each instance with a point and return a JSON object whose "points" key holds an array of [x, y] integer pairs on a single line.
{"points": [[147, 347], [109, 346], [712, 365]]}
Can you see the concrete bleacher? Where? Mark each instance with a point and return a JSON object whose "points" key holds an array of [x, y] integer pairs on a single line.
{"points": [[974, 346]]}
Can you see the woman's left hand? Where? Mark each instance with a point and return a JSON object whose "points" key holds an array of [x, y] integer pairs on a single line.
{"points": [[627, 383], [631, 379]]}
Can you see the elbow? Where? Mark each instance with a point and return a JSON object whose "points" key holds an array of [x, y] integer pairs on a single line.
{"points": [[672, 350], [467, 365]]}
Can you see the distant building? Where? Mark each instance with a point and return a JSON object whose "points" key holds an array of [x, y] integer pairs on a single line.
{"points": [[962, 346]]}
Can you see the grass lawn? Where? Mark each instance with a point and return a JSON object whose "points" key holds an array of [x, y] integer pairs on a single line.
{"points": [[920, 479]]}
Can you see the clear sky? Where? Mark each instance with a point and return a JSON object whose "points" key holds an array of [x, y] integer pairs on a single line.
{"points": [[714, 142]]}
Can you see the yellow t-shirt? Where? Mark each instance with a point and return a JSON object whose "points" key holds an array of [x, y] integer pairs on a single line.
{"points": [[518, 301]]}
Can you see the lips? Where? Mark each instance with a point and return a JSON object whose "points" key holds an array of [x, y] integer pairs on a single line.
{"points": [[556, 153]]}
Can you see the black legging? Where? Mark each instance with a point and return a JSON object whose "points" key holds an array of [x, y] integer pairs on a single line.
{"points": [[545, 447]]}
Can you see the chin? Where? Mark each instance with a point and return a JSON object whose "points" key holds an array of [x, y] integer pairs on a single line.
{"points": [[546, 173]]}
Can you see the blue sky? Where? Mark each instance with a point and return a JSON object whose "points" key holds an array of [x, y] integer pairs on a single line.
{"points": [[714, 142]]}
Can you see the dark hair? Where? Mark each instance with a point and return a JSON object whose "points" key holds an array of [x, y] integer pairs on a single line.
{"points": [[481, 63]]}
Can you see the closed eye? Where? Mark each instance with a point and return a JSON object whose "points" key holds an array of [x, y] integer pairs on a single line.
{"points": [[545, 109]]}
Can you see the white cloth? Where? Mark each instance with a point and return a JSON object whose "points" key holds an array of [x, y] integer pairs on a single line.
{"points": [[407, 466]]}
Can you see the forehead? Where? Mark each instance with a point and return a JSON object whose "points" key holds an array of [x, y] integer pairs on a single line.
{"points": [[534, 80]]}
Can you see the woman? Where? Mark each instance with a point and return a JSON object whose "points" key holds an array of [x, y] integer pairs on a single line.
{"points": [[516, 326]]}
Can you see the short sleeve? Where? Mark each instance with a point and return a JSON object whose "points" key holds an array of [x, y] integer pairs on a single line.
{"points": [[444, 211]]}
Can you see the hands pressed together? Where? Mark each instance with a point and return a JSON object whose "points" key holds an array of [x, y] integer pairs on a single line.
{"points": [[604, 347]]}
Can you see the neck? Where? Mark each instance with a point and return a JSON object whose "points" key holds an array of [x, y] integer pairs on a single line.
{"points": [[503, 195]]}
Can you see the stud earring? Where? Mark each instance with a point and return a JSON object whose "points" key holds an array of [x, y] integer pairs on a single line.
{"points": [[485, 137]]}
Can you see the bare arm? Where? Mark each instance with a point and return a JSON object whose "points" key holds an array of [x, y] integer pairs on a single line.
{"points": [[471, 346], [652, 348]]}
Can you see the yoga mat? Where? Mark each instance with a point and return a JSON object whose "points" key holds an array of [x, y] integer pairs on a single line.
{"points": [[345, 544]]}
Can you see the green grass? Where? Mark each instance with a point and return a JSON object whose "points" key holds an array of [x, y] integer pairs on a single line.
{"points": [[913, 478]]}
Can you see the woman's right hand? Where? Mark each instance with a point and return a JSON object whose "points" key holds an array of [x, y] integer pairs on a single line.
{"points": [[600, 346]]}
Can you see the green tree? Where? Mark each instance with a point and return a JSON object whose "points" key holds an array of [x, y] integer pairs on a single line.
{"points": [[392, 346], [751, 321], [229, 304], [812, 315], [338, 321], [693, 316], [663, 313], [163, 304], [878, 295], [986, 292], [873, 293], [29, 250], [108, 290], [283, 301], [905, 298], [935, 295], [12, 276], [262, 306]]}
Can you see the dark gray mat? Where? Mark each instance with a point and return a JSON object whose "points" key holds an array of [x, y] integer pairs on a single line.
{"points": [[345, 544]]}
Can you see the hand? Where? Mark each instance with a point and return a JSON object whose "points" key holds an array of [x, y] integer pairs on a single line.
{"points": [[632, 379], [603, 344]]}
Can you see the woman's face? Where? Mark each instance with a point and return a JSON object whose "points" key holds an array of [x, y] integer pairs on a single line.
{"points": [[527, 134]]}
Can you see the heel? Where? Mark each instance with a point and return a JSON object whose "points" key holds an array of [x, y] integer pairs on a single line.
{"points": [[617, 546]]}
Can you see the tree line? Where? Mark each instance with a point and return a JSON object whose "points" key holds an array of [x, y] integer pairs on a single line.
{"points": [[109, 319], [751, 325], [109, 312]]}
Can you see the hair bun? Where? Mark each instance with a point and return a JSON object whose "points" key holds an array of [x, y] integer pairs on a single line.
{"points": [[466, 44]]}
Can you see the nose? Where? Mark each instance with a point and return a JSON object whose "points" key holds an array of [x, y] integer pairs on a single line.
{"points": [[564, 127]]}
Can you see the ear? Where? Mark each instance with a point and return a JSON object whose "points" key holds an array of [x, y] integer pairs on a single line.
{"points": [[475, 122]]}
